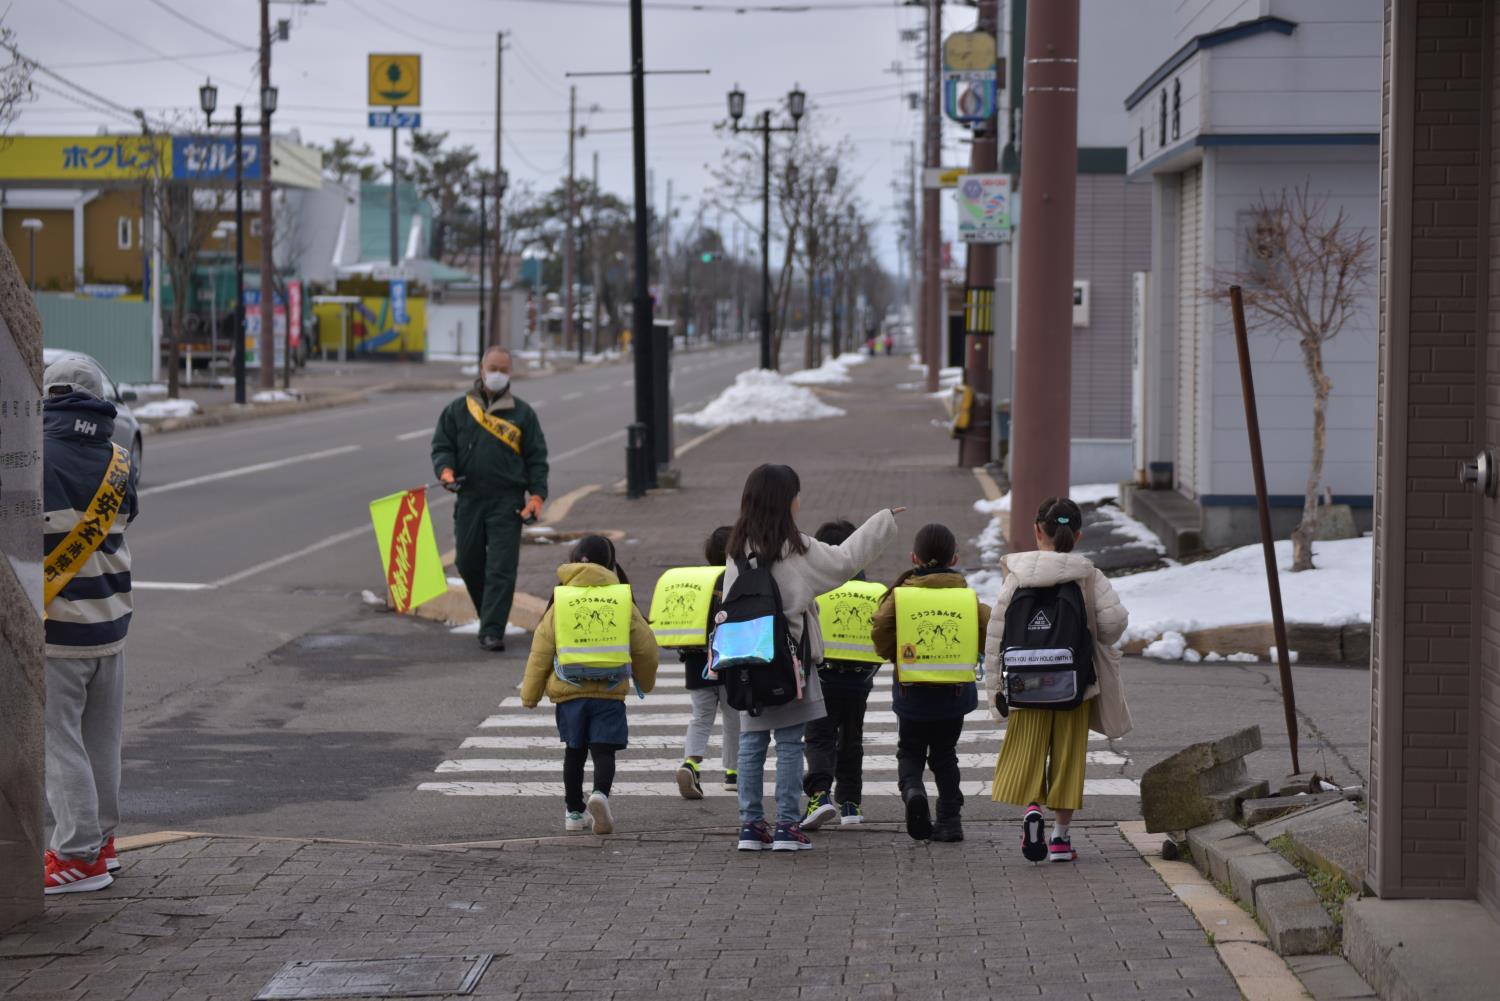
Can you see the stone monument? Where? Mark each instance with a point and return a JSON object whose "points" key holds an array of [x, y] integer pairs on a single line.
{"points": [[21, 664]]}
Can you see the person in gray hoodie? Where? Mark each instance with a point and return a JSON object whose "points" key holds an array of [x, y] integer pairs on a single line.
{"points": [[803, 568]]}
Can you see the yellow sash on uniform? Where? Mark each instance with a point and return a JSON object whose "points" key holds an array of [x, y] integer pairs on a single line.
{"points": [[497, 426], [91, 530]]}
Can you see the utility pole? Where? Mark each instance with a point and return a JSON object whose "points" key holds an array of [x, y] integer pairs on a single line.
{"points": [[484, 237], [267, 259], [666, 253], [569, 331], [641, 320], [979, 289], [596, 277], [1042, 397], [495, 333], [933, 306]]}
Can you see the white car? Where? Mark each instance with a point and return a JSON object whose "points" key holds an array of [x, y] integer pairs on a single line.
{"points": [[127, 428]]}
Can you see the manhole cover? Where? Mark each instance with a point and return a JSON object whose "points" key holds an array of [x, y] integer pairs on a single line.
{"points": [[405, 977]]}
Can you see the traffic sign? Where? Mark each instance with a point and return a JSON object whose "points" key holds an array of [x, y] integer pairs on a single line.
{"points": [[395, 79], [971, 72], [395, 119]]}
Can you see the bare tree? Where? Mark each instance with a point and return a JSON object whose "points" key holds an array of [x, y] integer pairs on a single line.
{"points": [[15, 82], [1303, 275]]}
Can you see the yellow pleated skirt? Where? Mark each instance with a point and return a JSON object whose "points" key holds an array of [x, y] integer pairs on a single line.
{"points": [[1042, 759]]}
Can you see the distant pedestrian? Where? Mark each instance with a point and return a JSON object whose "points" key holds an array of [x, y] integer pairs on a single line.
{"points": [[836, 743], [90, 497], [890, 343], [707, 691], [931, 626], [1043, 757], [766, 533], [489, 447], [590, 649]]}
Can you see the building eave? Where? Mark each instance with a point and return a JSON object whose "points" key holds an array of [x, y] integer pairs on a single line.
{"points": [[1208, 40]]}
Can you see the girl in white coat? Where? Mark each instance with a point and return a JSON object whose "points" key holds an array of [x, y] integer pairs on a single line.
{"points": [[1043, 757]]}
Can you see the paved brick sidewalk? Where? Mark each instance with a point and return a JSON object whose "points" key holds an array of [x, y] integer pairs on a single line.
{"points": [[886, 452], [668, 917]]}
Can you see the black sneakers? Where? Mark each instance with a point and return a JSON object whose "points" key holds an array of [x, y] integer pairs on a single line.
{"points": [[918, 817], [1034, 834]]}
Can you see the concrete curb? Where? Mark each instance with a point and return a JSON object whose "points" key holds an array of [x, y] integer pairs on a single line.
{"points": [[135, 842], [1312, 643]]}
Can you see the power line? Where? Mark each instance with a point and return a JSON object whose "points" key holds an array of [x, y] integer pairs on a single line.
{"points": [[201, 26], [137, 60], [83, 103], [130, 38], [406, 32], [118, 108]]}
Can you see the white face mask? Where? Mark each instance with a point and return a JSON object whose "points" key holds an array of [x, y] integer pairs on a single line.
{"points": [[496, 382]]}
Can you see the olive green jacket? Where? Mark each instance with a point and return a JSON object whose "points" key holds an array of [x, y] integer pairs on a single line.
{"points": [[488, 465]]}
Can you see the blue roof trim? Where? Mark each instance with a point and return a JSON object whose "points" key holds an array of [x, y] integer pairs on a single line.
{"points": [[1291, 139], [1208, 40]]}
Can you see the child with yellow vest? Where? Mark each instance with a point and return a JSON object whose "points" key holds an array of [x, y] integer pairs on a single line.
{"points": [[590, 650], [931, 626]]}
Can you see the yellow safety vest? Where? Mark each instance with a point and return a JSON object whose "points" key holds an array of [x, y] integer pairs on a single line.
{"points": [[679, 607], [592, 625], [937, 635], [846, 614], [497, 426]]}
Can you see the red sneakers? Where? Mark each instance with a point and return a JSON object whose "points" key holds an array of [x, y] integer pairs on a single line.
{"points": [[107, 853], [75, 875]]}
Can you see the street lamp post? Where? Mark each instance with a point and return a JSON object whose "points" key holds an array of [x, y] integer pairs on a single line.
{"points": [[32, 228], [502, 181], [796, 102]]}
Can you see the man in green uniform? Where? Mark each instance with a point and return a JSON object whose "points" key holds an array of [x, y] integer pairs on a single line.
{"points": [[494, 444]]}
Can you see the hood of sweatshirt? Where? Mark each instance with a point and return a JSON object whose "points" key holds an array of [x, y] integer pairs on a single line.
{"points": [[1044, 569], [78, 416], [936, 578], [585, 575]]}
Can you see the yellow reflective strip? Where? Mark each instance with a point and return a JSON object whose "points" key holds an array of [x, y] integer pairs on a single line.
{"points": [[497, 426], [90, 531]]}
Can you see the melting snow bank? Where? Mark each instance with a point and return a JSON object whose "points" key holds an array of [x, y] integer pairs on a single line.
{"points": [[1079, 493], [161, 409], [472, 629], [761, 396], [1230, 590], [832, 371], [277, 396]]}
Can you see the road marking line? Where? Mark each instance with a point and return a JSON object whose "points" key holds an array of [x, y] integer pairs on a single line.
{"points": [[665, 765], [259, 467], [659, 741], [558, 509], [424, 432], [570, 453], [974, 787], [566, 397], [168, 585], [534, 719], [688, 446]]}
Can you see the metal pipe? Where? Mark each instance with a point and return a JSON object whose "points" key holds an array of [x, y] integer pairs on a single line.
{"points": [[1263, 508]]}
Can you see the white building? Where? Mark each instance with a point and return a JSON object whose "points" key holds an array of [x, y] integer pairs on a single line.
{"points": [[1258, 96]]}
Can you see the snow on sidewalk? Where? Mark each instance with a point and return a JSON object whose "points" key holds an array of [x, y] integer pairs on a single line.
{"points": [[1230, 590], [761, 396], [162, 409], [1080, 493], [831, 372]]}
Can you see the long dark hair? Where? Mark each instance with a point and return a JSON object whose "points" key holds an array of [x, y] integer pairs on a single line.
{"points": [[935, 546], [765, 526], [598, 550], [716, 546], [1061, 521]]}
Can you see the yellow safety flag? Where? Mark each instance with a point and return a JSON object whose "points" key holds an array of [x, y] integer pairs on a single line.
{"points": [[408, 549]]}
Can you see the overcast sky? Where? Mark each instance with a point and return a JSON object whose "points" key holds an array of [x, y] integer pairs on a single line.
{"points": [[146, 53]]}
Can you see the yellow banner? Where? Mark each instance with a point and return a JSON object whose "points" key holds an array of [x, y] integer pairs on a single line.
{"points": [[85, 158], [408, 549]]}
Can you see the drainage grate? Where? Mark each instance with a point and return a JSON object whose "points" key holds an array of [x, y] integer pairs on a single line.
{"points": [[402, 977]]}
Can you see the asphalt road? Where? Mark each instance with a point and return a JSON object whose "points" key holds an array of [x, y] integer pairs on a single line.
{"points": [[266, 698]]}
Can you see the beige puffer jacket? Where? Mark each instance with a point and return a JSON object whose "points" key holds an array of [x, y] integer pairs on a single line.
{"points": [[1108, 713]]}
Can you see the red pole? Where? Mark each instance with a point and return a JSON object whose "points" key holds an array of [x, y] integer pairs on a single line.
{"points": [[1042, 401], [934, 306]]}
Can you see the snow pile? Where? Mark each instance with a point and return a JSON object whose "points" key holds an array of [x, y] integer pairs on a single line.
{"points": [[1120, 525], [991, 543], [1079, 493], [832, 371], [1231, 590], [276, 396], [472, 629], [371, 598], [142, 390], [761, 396], [595, 358], [1171, 646], [161, 409], [986, 583]]}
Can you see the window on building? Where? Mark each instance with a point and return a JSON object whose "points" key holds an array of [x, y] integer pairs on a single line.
{"points": [[1176, 108], [123, 233], [255, 227], [1161, 133]]}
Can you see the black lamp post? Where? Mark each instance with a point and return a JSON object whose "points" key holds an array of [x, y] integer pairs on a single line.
{"points": [[502, 181], [796, 104]]}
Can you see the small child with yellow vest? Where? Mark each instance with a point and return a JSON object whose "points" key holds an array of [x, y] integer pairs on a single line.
{"points": [[591, 647], [931, 626]]}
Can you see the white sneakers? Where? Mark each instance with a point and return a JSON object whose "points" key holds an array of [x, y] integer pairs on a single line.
{"points": [[598, 808]]}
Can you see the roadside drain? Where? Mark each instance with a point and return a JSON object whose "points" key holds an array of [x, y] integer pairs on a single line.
{"points": [[402, 977]]}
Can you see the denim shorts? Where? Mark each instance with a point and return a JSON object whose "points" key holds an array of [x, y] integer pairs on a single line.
{"points": [[586, 722]]}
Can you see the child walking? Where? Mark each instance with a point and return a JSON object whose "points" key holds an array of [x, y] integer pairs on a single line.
{"points": [[930, 625], [766, 532], [835, 743], [591, 647], [1045, 750], [707, 694]]}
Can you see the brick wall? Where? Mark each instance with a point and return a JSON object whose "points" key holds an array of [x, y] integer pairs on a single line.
{"points": [[1486, 707]]}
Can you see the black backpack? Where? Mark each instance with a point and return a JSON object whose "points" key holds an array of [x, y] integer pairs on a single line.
{"points": [[751, 649], [1047, 652]]}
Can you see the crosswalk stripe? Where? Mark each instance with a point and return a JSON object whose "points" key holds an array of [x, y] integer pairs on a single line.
{"points": [[972, 787], [625, 763], [533, 718], [658, 741]]}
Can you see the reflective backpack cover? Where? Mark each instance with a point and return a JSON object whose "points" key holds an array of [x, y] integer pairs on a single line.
{"points": [[1047, 653], [751, 649]]}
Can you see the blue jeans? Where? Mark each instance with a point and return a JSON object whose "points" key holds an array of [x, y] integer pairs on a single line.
{"points": [[753, 748]]}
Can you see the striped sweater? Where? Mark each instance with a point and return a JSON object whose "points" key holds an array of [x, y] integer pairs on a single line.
{"points": [[91, 615]]}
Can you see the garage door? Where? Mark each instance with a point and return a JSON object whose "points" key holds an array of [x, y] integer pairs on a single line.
{"points": [[1189, 317]]}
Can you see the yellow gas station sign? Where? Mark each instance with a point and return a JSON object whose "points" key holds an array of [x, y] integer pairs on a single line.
{"points": [[395, 80]]}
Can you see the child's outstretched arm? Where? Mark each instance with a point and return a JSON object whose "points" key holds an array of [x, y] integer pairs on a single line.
{"points": [[833, 566]]}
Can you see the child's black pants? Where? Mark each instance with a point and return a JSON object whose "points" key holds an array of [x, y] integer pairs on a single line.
{"points": [[934, 744], [574, 759]]}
